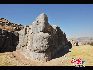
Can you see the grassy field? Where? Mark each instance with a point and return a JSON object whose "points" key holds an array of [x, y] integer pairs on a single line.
{"points": [[83, 52]]}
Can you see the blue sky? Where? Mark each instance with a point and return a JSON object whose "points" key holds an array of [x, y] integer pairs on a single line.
{"points": [[76, 20]]}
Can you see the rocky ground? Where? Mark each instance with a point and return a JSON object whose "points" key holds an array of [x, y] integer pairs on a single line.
{"points": [[17, 59]]}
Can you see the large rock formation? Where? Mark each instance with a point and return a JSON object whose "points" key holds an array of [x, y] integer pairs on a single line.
{"points": [[41, 40], [9, 36]]}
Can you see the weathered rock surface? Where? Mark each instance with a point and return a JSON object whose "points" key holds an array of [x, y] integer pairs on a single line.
{"points": [[41, 40], [8, 41]]}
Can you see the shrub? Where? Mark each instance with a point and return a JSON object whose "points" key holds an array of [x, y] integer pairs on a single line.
{"points": [[91, 43]]}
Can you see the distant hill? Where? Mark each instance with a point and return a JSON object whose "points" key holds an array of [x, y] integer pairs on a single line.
{"points": [[81, 40], [7, 25]]}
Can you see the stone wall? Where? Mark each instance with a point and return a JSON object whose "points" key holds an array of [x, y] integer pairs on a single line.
{"points": [[8, 41], [41, 41]]}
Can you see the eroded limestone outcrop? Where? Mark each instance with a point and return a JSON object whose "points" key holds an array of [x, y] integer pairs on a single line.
{"points": [[41, 40]]}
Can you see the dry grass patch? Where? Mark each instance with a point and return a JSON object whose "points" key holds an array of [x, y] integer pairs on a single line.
{"points": [[83, 52]]}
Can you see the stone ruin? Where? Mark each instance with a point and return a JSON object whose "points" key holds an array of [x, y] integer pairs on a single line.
{"points": [[8, 41], [41, 41], [9, 36]]}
